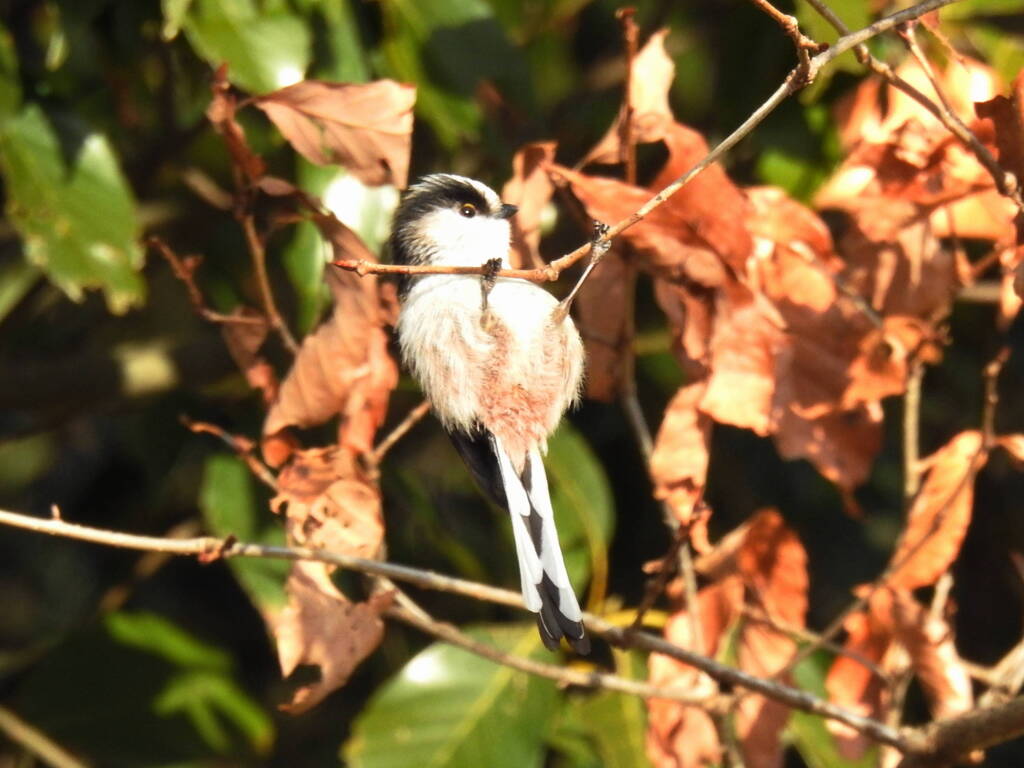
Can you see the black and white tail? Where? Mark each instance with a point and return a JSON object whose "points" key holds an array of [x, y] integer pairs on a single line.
{"points": [[545, 583]]}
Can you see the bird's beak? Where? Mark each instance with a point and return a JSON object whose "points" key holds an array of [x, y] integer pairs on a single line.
{"points": [[507, 211]]}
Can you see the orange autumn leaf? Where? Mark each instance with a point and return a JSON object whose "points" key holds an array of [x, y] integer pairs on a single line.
{"points": [[761, 565], [344, 368], [243, 340], [665, 242], [365, 127], [929, 641], [679, 463], [648, 108], [882, 365], [327, 505], [601, 318], [530, 188], [221, 113], [938, 519], [321, 627], [743, 347]]}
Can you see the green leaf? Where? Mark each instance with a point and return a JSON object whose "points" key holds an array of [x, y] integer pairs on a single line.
{"points": [[174, 16], [340, 54], [448, 708], [229, 506], [583, 505], [447, 47], [202, 688], [264, 50], [613, 724], [77, 218], [807, 732]]}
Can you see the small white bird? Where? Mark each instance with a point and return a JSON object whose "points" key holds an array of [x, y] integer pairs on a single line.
{"points": [[500, 361]]}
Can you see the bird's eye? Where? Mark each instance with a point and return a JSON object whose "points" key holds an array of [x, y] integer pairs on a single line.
{"points": [[468, 210]]}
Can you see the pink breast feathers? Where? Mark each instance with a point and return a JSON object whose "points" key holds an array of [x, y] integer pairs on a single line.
{"points": [[523, 390]]}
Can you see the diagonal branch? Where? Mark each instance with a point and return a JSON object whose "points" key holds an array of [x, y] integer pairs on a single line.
{"points": [[796, 80], [209, 547]]}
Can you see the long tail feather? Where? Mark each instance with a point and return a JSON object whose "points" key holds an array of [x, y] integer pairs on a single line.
{"points": [[545, 582]]}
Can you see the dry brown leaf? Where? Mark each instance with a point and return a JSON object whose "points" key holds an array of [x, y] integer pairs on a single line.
{"points": [[1010, 261], [938, 518], [601, 317], [881, 368], [743, 348], [690, 313], [665, 242], [321, 627], [841, 445], [679, 736], [853, 685], [679, 463], [762, 563], [365, 127], [1013, 444], [649, 85], [773, 562], [343, 368], [221, 113], [243, 340], [1007, 116], [328, 505], [710, 203], [929, 641], [530, 188]]}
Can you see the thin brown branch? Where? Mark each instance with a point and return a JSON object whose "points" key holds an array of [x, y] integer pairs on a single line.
{"points": [[955, 740], [36, 742], [591, 679], [988, 412], [627, 147], [912, 433], [1006, 183], [242, 446], [209, 547], [411, 420], [184, 269], [258, 253], [803, 44], [793, 83]]}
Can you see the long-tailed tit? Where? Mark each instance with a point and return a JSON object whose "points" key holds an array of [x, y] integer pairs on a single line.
{"points": [[500, 361]]}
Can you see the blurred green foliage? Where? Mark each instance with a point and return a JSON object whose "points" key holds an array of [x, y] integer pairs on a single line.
{"points": [[131, 660]]}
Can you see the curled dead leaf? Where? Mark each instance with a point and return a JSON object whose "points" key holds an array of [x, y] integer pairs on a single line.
{"points": [[344, 368], [938, 519], [320, 626], [679, 463], [647, 108], [601, 318], [530, 189], [365, 127]]}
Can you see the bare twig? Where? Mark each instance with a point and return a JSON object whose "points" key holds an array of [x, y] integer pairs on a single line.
{"points": [[411, 420], [259, 262], [184, 269], [912, 433], [36, 742], [803, 44], [627, 148], [794, 82], [565, 675], [209, 547], [1005, 182], [988, 412], [242, 446]]}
